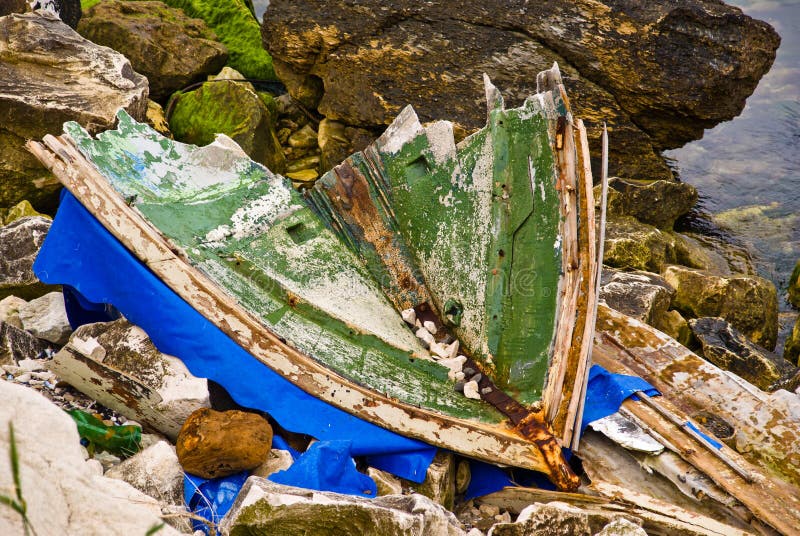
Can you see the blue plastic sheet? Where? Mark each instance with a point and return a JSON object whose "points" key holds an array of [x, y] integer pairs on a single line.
{"points": [[82, 254], [211, 498], [606, 392]]}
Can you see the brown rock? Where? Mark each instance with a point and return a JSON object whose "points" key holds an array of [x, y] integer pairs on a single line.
{"points": [[212, 443], [19, 245]]}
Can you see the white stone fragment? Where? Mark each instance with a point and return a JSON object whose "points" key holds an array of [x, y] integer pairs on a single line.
{"points": [[471, 390], [440, 350], [46, 318], [410, 316], [89, 347], [33, 365], [455, 364], [452, 349], [425, 336], [430, 326]]}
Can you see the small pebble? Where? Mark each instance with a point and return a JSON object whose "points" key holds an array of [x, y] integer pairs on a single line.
{"points": [[23, 378], [410, 316], [430, 326], [489, 510], [32, 365], [477, 378], [458, 387], [95, 466], [471, 390], [486, 390], [505, 517], [469, 371], [452, 349], [459, 376], [440, 350]]}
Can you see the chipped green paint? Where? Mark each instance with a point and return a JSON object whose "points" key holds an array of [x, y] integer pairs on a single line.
{"points": [[252, 234]]}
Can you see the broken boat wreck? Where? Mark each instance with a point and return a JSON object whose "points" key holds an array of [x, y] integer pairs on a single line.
{"points": [[443, 292]]}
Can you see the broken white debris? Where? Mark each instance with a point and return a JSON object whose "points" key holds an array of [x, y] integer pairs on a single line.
{"points": [[410, 316], [425, 336], [89, 347], [471, 390], [452, 349], [430, 326], [440, 350]]}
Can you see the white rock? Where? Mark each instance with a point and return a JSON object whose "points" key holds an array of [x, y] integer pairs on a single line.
{"points": [[430, 326], [452, 349], [439, 350], [32, 365], [409, 315], [46, 318], [95, 466], [89, 347], [277, 460], [25, 377], [9, 310], [425, 336], [154, 471], [471, 390], [455, 365], [388, 484], [475, 532], [63, 494]]}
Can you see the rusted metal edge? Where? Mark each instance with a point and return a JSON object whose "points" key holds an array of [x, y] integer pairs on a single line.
{"points": [[492, 443]]}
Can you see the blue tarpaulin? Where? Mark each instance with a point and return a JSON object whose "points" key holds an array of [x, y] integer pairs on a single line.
{"points": [[101, 279]]}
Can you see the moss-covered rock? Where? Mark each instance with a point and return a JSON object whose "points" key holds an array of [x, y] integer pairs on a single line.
{"points": [[794, 286], [791, 348], [162, 43], [238, 29], [673, 324], [657, 203], [713, 254], [641, 295], [632, 245], [748, 302], [231, 108], [22, 210]]}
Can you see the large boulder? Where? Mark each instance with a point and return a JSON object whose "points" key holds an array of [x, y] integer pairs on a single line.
{"points": [[231, 108], [728, 349], [162, 43], [117, 364], [20, 241], [659, 73], [264, 507], [657, 203], [63, 494], [49, 74], [237, 28], [748, 302]]}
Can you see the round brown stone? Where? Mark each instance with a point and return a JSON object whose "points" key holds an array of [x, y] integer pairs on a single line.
{"points": [[213, 444]]}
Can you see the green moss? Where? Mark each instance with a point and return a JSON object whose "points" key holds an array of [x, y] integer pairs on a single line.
{"points": [[237, 29], [86, 4], [794, 286]]}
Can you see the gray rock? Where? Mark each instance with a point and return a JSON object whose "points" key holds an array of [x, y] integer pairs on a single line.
{"points": [[749, 303], [728, 349], [17, 344], [162, 43], [632, 245], [49, 75], [642, 295], [131, 376], [264, 507], [20, 241], [63, 494], [46, 318]]}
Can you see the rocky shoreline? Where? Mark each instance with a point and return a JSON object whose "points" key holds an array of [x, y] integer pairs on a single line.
{"points": [[658, 75]]}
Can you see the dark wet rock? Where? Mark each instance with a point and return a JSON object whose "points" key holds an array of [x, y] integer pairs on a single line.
{"points": [[213, 444], [658, 203], [749, 303], [794, 286], [8, 7], [17, 344], [264, 507], [117, 364], [659, 73], [675, 325], [162, 43], [19, 244], [632, 245], [727, 348], [641, 295], [337, 141], [231, 108], [49, 75]]}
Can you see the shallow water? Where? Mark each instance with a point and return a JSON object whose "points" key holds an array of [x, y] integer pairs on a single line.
{"points": [[748, 170]]}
